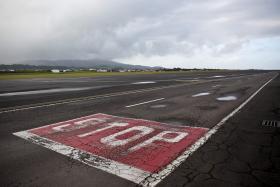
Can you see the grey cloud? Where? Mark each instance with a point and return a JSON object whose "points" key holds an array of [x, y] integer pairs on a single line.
{"points": [[120, 29]]}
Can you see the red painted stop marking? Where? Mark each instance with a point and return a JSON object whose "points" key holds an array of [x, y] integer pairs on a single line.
{"points": [[142, 144]]}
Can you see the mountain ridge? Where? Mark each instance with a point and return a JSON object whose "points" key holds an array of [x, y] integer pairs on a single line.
{"points": [[91, 63]]}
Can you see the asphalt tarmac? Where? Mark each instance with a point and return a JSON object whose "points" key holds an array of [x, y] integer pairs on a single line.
{"points": [[200, 99]]}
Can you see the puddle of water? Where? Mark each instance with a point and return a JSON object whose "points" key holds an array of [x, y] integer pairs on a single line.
{"points": [[201, 94], [145, 82], [226, 98], [158, 106]]}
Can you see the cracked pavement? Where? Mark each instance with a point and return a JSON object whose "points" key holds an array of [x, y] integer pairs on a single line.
{"points": [[241, 153]]}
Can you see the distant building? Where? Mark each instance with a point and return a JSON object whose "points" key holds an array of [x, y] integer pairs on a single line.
{"points": [[102, 70], [67, 70], [55, 71]]}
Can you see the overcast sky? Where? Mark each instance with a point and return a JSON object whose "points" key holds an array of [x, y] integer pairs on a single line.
{"points": [[171, 33]]}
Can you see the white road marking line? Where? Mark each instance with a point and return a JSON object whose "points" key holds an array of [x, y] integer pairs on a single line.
{"points": [[56, 90], [73, 100], [217, 85], [62, 81], [110, 81], [144, 102], [128, 172], [158, 106], [186, 80], [201, 94], [218, 76], [227, 98], [155, 178], [145, 82]]}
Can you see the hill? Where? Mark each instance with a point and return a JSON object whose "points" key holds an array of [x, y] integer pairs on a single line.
{"points": [[93, 63], [72, 64]]}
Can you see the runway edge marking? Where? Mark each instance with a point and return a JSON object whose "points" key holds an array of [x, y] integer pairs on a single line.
{"points": [[155, 178]]}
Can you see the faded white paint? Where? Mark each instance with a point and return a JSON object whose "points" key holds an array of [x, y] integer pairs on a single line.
{"points": [[60, 128], [79, 124], [62, 81], [160, 137], [113, 141], [227, 98], [110, 125], [144, 102], [145, 82], [122, 170], [217, 85], [201, 94], [158, 106], [44, 91], [218, 76]]}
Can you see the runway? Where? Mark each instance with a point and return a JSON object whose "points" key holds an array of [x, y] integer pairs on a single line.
{"points": [[195, 100]]}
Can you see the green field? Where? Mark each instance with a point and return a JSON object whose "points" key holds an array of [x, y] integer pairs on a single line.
{"points": [[33, 75], [14, 75]]}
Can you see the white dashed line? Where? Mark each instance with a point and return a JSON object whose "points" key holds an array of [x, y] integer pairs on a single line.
{"points": [[145, 82], [44, 91], [218, 76], [144, 103], [227, 98], [201, 94], [215, 86]]}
